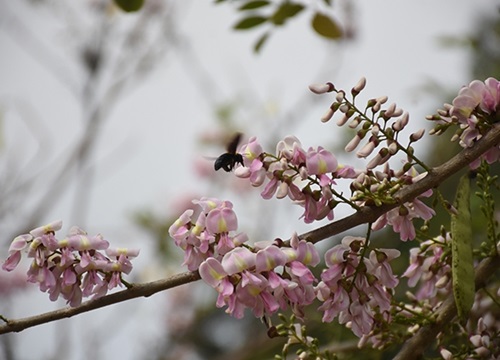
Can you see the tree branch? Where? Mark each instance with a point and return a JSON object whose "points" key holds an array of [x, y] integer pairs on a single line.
{"points": [[366, 214], [435, 177], [135, 291]]}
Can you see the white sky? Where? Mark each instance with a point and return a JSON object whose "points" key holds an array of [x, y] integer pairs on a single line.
{"points": [[148, 145]]}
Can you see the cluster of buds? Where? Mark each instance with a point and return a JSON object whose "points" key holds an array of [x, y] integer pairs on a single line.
{"points": [[356, 288], [474, 111], [72, 267], [376, 123]]}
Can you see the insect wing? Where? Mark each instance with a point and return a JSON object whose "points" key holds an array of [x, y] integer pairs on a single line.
{"points": [[233, 145]]}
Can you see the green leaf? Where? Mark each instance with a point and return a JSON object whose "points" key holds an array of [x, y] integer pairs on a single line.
{"points": [[286, 11], [461, 246], [250, 22], [129, 5], [258, 45], [326, 26], [255, 4]]}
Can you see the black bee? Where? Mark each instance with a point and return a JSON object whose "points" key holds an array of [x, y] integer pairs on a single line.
{"points": [[229, 160]]}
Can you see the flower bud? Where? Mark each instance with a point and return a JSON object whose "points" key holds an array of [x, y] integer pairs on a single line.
{"points": [[340, 96], [327, 115], [417, 135], [358, 87], [321, 88], [344, 108], [353, 144], [342, 120], [366, 150], [382, 99], [390, 111]]}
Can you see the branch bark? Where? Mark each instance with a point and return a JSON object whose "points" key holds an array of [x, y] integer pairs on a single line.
{"points": [[135, 291], [367, 214]]}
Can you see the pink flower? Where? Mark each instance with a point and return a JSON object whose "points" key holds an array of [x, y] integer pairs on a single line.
{"points": [[290, 149], [320, 161], [221, 220], [18, 244], [250, 151]]}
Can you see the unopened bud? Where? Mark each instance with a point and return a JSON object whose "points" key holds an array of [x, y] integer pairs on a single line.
{"points": [[397, 112], [382, 99], [393, 148], [354, 123], [370, 103], [344, 108], [321, 88], [342, 120], [405, 118], [417, 135], [340, 96], [445, 354], [367, 149], [327, 116], [353, 144], [390, 111], [442, 282], [358, 87]]}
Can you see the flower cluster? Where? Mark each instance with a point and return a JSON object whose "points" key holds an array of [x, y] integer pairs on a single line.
{"points": [[211, 235], [271, 275], [306, 177], [484, 343], [430, 265], [72, 267], [309, 177], [356, 288], [245, 277], [475, 110]]}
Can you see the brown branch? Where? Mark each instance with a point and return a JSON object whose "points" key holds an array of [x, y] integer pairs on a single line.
{"points": [[366, 214], [425, 336], [135, 291]]}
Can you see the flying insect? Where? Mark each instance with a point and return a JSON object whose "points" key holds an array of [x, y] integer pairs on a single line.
{"points": [[228, 160]]}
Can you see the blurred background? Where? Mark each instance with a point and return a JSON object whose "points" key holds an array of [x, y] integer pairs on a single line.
{"points": [[111, 121]]}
